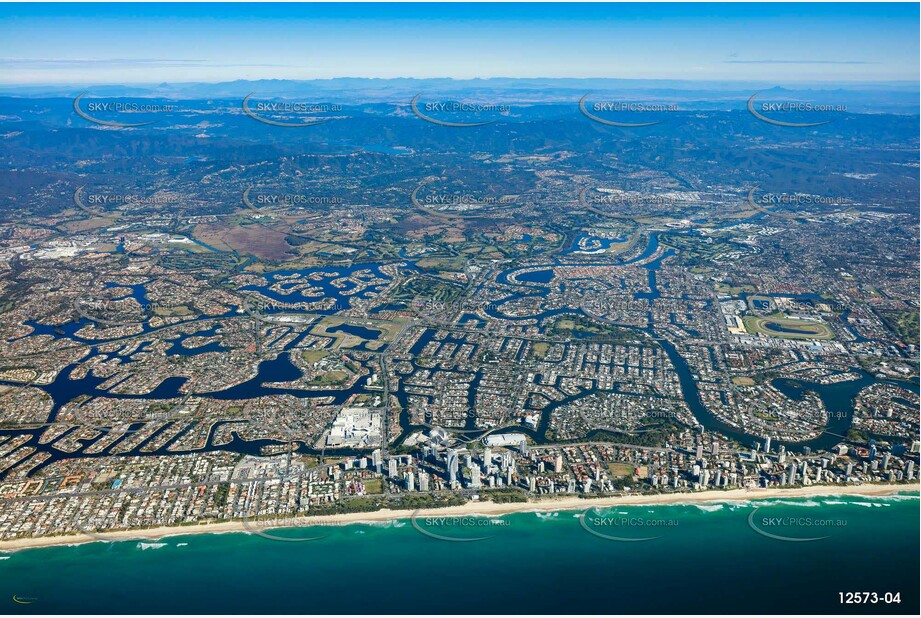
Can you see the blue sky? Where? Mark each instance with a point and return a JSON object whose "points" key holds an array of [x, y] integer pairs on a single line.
{"points": [[784, 43]]}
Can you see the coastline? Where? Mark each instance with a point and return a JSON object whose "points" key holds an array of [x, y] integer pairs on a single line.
{"points": [[569, 503]]}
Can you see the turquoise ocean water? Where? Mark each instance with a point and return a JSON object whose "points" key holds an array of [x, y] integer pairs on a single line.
{"points": [[736, 557]]}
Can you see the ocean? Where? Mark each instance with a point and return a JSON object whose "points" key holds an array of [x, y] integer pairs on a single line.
{"points": [[767, 557]]}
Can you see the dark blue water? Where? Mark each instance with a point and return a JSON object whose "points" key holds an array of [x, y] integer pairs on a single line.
{"points": [[536, 276], [710, 562]]}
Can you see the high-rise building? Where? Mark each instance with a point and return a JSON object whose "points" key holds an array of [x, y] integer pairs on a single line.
{"points": [[910, 470], [767, 444], [392, 467], [558, 463], [475, 477], [452, 465], [410, 481], [423, 481]]}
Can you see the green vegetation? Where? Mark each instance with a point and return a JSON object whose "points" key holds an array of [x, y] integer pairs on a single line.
{"points": [[857, 435], [220, 494], [312, 356], [440, 264], [426, 501], [623, 481], [699, 252], [374, 486], [656, 435], [620, 469], [330, 378], [733, 290], [779, 325], [767, 416], [579, 327], [503, 496], [903, 323], [427, 289], [199, 261], [539, 350], [363, 504]]}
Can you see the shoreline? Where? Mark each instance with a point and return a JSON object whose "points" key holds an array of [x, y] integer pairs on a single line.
{"points": [[569, 503]]}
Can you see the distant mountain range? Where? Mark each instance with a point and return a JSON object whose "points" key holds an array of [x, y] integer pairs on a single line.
{"points": [[899, 97]]}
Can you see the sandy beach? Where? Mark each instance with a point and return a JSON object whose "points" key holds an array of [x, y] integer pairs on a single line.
{"points": [[470, 509]]}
